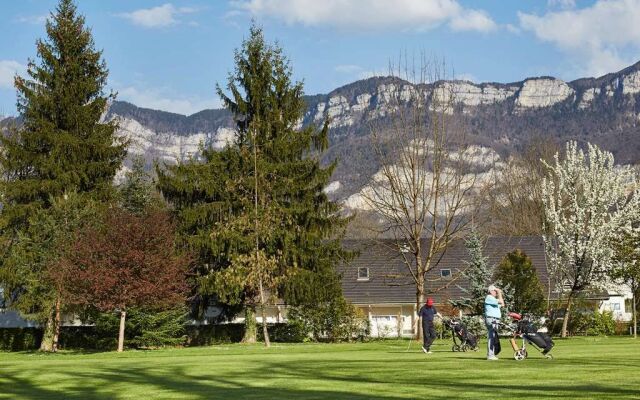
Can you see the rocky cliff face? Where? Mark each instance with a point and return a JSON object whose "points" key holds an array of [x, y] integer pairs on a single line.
{"points": [[366, 100], [502, 117], [169, 147], [499, 118]]}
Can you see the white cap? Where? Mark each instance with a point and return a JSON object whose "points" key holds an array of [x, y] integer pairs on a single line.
{"points": [[491, 288]]}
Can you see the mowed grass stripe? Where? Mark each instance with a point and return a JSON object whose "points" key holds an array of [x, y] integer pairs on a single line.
{"points": [[584, 368]]}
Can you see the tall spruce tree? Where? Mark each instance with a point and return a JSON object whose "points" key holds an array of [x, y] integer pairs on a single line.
{"points": [[478, 273], [262, 195], [62, 146], [137, 192]]}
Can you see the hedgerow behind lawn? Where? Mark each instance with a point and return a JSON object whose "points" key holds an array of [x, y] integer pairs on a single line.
{"points": [[596, 368]]}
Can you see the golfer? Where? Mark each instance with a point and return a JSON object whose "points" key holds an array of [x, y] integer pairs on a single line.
{"points": [[427, 313], [492, 315]]}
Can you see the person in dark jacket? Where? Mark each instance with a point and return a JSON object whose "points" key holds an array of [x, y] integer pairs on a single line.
{"points": [[427, 313]]}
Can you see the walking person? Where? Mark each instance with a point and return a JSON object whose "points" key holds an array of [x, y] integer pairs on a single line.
{"points": [[492, 315], [427, 313]]}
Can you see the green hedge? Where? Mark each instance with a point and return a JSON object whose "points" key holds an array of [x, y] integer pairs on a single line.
{"points": [[206, 335], [96, 338], [20, 339]]}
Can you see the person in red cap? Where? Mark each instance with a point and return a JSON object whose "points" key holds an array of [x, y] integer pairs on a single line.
{"points": [[427, 313]]}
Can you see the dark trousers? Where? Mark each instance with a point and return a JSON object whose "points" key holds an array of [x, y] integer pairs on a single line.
{"points": [[428, 334]]}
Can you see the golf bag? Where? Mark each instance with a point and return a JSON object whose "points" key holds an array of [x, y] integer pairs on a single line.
{"points": [[539, 339], [525, 329], [463, 340], [497, 347]]}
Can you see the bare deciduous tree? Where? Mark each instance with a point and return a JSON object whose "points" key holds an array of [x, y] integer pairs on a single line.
{"points": [[513, 201], [424, 188]]}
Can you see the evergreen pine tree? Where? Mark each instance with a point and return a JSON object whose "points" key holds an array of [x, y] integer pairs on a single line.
{"points": [[268, 103], [63, 145], [478, 273], [35, 255], [137, 191], [295, 223], [516, 272]]}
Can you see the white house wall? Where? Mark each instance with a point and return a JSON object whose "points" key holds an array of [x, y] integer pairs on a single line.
{"points": [[618, 294], [385, 321], [389, 321], [616, 304]]}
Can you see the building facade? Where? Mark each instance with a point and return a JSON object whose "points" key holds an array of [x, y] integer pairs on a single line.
{"points": [[378, 280]]}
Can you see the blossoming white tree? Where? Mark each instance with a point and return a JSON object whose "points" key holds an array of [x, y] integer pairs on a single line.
{"points": [[587, 202]]}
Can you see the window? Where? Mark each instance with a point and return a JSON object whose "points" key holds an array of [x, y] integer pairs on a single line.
{"points": [[363, 273], [616, 306], [445, 273]]}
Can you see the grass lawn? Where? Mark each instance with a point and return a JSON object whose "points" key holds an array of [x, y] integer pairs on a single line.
{"points": [[583, 368]]}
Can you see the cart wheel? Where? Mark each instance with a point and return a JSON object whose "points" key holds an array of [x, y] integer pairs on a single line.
{"points": [[520, 355], [464, 347], [548, 356], [455, 347]]}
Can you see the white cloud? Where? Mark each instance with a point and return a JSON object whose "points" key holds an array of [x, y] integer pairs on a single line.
{"points": [[32, 19], [8, 70], [513, 29], [372, 14], [348, 69], [158, 100], [157, 17], [566, 4], [601, 38], [473, 20], [358, 72]]}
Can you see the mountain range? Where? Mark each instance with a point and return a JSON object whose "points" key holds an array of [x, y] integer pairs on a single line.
{"points": [[499, 118]]}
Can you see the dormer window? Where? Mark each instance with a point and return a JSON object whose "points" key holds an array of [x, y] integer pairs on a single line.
{"points": [[363, 273], [445, 273]]}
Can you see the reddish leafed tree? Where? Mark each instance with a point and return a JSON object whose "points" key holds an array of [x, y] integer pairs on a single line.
{"points": [[129, 261]]}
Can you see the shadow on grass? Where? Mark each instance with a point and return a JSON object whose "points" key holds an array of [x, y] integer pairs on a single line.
{"points": [[60, 353], [355, 379], [436, 386], [175, 383]]}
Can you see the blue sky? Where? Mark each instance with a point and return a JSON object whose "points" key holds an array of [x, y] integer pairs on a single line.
{"points": [[169, 54]]}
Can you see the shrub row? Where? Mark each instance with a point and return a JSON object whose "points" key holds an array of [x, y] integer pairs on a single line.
{"points": [[20, 339], [96, 338]]}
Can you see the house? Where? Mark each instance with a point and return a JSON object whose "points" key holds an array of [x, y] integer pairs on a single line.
{"points": [[379, 283], [618, 302], [10, 318]]}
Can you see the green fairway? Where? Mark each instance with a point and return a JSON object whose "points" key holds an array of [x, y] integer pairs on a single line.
{"points": [[583, 368]]}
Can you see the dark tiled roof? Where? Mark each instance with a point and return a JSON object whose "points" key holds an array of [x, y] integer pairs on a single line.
{"points": [[390, 282]]}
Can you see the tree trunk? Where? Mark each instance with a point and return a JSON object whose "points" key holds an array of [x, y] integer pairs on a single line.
{"points": [[56, 324], [565, 320], [123, 317], [419, 303], [250, 328], [635, 317], [47, 337], [265, 332]]}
